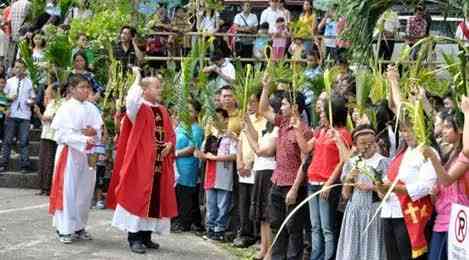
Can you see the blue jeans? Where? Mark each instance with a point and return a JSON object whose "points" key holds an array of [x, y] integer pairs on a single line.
{"points": [[322, 214], [438, 246], [13, 127], [218, 207]]}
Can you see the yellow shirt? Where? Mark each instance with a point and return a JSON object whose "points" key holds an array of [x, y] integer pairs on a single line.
{"points": [[235, 121], [248, 155], [308, 24]]}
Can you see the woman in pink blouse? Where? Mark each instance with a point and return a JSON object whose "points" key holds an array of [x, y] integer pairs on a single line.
{"points": [[451, 186]]}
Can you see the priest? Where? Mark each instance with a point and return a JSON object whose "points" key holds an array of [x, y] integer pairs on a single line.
{"points": [[74, 178], [142, 185]]}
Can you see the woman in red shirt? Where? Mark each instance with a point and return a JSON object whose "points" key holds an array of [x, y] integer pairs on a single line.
{"points": [[329, 148]]}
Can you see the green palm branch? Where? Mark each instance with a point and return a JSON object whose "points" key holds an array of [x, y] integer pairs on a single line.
{"points": [[26, 55], [421, 125]]}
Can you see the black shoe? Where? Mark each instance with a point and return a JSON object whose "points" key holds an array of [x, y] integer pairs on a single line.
{"points": [[137, 248], [208, 235], [151, 245], [179, 229], [197, 228]]}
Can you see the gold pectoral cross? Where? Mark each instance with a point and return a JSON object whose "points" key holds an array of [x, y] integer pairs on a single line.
{"points": [[412, 211]]}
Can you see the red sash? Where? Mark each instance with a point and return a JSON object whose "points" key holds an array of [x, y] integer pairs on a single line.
{"points": [[464, 29], [416, 213], [57, 191]]}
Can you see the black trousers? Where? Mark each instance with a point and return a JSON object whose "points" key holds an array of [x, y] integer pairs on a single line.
{"points": [[185, 201], [196, 213], [246, 228], [386, 48], [289, 244], [233, 219], [139, 237], [396, 239], [243, 50]]}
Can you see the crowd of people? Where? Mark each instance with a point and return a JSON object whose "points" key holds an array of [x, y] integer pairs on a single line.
{"points": [[237, 179]]}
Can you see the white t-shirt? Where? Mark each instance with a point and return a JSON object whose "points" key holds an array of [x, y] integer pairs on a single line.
{"points": [[227, 69], [208, 24], [418, 175], [270, 16], [20, 107], [242, 20], [266, 163]]}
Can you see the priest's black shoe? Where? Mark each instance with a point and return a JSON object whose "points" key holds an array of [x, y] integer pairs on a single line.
{"points": [[137, 248], [151, 245]]}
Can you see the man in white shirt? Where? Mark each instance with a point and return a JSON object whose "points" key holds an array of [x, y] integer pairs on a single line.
{"points": [[19, 90], [246, 23], [223, 68], [271, 14]]}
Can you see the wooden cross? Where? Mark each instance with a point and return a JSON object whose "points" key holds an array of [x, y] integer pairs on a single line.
{"points": [[412, 212], [423, 212]]}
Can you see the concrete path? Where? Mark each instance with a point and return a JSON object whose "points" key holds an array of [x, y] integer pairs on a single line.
{"points": [[26, 233]]}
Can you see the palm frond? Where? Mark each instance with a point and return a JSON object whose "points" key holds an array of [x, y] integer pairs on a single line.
{"points": [[58, 54], [247, 83], [26, 55], [329, 75], [183, 94], [421, 125], [363, 89], [380, 89]]}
